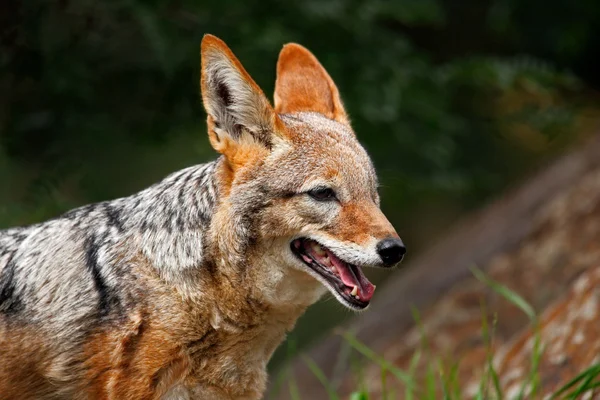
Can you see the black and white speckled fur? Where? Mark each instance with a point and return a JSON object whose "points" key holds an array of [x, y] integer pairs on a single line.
{"points": [[72, 268]]}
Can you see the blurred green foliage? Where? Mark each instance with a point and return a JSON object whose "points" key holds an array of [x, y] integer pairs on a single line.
{"points": [[453, 100]]}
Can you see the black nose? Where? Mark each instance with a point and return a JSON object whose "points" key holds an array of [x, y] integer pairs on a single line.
{"points": [[391, 251]]}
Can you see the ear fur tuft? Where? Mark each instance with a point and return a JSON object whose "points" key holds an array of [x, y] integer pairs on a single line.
{"points": [[235, 105]]}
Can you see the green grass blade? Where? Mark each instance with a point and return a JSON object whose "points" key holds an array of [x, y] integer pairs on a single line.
{"points": [[384, 394], [290, 354], [318, 372], [374, 357], [414, 362], [584, 387], [450, 381], [341, 364], [430, 383], [280, 379], [505, 292], [293, 386], [593, 370], [359, 396], [496, 382], [444, 381], [417, 317], [533, 380], [488, 335]]}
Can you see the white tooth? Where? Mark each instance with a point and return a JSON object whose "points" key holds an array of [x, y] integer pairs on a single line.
{"points": [[318, 249], [357, 298], [326, 260], [354, 291]]}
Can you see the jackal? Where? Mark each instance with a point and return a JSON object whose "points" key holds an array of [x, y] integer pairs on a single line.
{"points": [[185, 289]]}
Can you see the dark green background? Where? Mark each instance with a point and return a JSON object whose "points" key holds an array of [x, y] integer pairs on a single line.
{"points": [[454, 100]]}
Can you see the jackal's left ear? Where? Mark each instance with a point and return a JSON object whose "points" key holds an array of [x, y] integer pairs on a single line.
{"points": [[304, 85], [239, 113]]}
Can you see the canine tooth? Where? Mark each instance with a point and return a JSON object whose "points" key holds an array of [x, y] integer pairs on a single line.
{"points": [[356, 297], [354, 291]]}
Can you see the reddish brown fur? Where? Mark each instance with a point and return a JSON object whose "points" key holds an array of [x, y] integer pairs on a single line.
{"points": [[361, 221], [139, 361], [29, 357], [304, 85]]}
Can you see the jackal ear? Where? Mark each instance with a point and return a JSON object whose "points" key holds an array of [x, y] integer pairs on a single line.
{"points": [[239, 113], [304, 85]]}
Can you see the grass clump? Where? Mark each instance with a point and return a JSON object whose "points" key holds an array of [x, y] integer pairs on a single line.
{"points": [[439, 379]]}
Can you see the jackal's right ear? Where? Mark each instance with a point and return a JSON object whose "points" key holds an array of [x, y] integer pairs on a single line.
{"points": [[239, 114]]}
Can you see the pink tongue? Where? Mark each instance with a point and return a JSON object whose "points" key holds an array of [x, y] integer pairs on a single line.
{"points": [[353, 277]]}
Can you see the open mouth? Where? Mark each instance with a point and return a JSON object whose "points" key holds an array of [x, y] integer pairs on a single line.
{"points": [[347, 280]]}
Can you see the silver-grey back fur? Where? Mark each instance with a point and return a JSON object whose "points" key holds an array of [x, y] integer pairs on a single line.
{"points": [[68, 272]]}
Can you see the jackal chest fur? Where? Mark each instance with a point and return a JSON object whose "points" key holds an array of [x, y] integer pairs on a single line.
{"points": [[223, 348]]}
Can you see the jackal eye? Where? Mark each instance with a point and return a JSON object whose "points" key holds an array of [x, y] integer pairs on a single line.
{"points": [[322, 194]]}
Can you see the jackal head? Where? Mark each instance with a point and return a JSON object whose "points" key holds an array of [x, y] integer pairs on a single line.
{"points": [[298, 192]]}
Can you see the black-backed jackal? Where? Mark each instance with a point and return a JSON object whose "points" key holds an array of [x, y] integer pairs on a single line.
{"points": [[184, 290]]}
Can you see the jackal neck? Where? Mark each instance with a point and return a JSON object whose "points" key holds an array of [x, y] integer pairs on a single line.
{"points": [[170, 219]]}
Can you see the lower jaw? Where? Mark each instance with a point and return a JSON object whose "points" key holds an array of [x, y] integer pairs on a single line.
{"points": [[345, 301], [355, 306]]}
